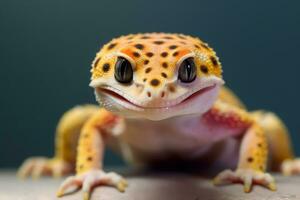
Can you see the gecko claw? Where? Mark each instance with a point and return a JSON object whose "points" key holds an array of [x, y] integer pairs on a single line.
{"points": [[70, 185], [86, 196], [121, 186], [59, 194], [272, 186], [247, 179]]}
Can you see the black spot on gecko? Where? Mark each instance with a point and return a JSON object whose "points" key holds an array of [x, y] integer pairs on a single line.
{"points": [[139, 46], [259, 145], [165, 65], [89, 158], [149, 54], [164, 54], [106, 67], [97, 61], [158, 42], [175, 53], [197, 46], [214, 61], [148, 70], [164, 75], [204, 69], [136, 54], [146, 62], [205, 46], [173, 47], [172, 88], [111, 46], [250, 159]]}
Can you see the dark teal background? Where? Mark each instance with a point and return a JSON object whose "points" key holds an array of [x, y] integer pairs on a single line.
{"points": [[46, 48]]}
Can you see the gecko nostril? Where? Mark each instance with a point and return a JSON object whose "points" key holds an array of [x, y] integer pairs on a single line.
{"points": [[162, 94], [149, 94]]}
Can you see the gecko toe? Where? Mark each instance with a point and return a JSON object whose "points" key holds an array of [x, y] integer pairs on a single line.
{"points": [[290, 167], [70, 185]]}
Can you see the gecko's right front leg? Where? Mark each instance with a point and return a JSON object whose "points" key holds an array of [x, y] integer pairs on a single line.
{"points": [[89, 171]]}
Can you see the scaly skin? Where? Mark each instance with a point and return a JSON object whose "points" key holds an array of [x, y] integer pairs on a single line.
{"points": [[157, 116]]}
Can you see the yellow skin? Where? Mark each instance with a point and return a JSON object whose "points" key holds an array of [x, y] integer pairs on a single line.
{"points": [[157, 117]]}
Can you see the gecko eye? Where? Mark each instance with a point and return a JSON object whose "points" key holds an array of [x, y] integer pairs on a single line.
{"points": [[187, 70], [123, 71]]}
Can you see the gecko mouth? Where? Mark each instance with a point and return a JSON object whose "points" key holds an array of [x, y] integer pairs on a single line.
{"points": [[127, 102]]}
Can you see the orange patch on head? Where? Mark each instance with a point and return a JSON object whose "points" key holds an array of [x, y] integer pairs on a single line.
{"points": [[131, 53], [180, 53]]}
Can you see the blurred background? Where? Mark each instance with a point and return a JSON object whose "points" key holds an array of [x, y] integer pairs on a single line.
{"points": [[47, 46]]}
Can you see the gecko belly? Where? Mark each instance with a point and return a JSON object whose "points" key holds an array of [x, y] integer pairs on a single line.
{"points": [[189, 139]]}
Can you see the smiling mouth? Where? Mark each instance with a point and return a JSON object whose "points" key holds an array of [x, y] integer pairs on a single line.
{"points": [[115, 95]]}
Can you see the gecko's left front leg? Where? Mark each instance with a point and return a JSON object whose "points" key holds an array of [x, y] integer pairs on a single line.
{"points": [[90, 155], [252, 161]]}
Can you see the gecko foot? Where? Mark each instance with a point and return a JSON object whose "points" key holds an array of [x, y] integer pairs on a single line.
{"points": [[290, 167], [40, 166], [89, 180], [247, 177]]}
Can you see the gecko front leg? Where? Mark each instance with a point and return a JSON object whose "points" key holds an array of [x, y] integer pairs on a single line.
{"points": [[253, 157], [89, 171], [66, 139]]}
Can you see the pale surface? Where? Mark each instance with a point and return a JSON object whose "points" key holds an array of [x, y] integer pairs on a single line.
{"points": [[150, 187]]}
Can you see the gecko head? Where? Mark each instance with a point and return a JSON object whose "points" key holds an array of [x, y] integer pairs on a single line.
{"points": [[156, 76]]}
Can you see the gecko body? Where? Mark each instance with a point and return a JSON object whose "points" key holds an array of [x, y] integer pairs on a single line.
{"points": [[162, 98]]}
